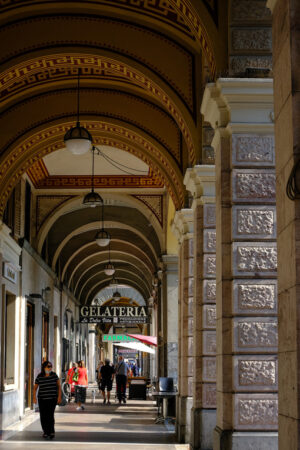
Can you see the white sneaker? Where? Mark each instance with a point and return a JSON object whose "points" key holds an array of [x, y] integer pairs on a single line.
{"points": [[78, 408]]}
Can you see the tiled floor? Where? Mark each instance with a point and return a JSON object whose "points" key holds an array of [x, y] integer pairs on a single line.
{"points": [[131, 426]]}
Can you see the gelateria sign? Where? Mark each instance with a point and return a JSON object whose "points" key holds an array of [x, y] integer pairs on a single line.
{"points": [[113, 314], [117, 338]]}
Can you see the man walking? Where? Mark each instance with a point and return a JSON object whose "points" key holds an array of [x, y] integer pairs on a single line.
{"points": [[106, 375], [122, 371]]}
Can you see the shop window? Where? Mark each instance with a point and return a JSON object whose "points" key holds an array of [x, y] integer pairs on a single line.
{"points": [[45, 335], [9, 338]]}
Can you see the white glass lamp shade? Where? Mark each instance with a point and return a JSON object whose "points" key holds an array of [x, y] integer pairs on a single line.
{"points": [[109, 269], [78, 140], [78, 146], [102, 238]]}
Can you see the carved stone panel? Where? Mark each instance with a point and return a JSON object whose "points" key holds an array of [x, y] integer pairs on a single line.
{"points": [[255, 335], [209, 241], [256, 412], [258, 222], [209, 343], [209, 266], [255, 373], [239, 64], [191, 287], [209, 316], [256, 259], [209, 291], [255, 296], [209, 215], [253, 185], [249, 149], [245, 39], [209, 369], [255, 10], [209, 395], [191, 266]]}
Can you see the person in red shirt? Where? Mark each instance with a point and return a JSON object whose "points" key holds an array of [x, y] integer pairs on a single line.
{"points": [[71, 373], [81, 385]]}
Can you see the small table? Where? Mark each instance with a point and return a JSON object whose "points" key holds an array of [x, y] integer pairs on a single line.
{"points": [[165, 397]]}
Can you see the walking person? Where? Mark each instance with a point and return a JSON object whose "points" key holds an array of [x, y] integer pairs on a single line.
{"points": [[49, 395], [122, 371], [81, 385], [106, 380]]}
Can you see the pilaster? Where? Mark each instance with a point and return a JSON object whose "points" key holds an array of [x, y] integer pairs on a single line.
{"points": [[200, 181], [241, 112], [183, 228]]}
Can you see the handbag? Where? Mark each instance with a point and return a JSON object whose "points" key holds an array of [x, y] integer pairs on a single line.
{"points": [[75, 376]]}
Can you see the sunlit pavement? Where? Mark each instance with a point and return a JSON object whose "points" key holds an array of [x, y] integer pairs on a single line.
{"points": [[130, 426]]}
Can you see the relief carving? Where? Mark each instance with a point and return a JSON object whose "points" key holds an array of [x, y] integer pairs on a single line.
{"points": [[257, 334], [210, 291], [209, 215], [256, 258], [252, 39], [257, 373], [253, 149], [210, 266], [254, 10], [209, 393], [210, 241], [252, 186], [255, 221], [209, 342], [256, 297], [239, 64], [209, 316], [209, 369], [258, 413]]}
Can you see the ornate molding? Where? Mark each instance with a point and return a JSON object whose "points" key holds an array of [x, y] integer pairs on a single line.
{"points": [[183, 224], [200, 182], [18, 73], [36, 146]]}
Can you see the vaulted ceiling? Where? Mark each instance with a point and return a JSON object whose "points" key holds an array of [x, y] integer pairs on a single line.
{"points": [[142, 66]]}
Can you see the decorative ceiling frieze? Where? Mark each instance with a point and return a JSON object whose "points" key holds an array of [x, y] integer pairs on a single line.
{"points": [[154, 203]]}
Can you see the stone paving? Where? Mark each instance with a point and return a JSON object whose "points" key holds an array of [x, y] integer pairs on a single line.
{"points": [[131, 426]]}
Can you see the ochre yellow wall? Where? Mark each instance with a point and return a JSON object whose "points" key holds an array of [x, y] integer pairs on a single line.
{"points": [[171, 239]]}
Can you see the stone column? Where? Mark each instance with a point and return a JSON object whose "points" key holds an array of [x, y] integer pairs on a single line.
{"points": [[241, 112], [92, 353], [286, 19], [170, 299], [183, 228], [200, 181]]}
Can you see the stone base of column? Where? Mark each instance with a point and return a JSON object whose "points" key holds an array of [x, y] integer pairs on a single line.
{"points": [[245, 440], [203, 423], [183, 419]]}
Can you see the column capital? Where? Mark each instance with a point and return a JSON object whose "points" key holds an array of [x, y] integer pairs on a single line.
{"points": [[170, 262], [200, 182], [92, 328], [183, 224], [271, 4], [238, 101]]}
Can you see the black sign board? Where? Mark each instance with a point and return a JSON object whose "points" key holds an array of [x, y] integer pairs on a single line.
{"points": [[113, 314]]}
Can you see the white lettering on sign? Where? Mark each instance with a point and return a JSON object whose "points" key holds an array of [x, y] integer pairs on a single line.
{"points": [[93, 313]]}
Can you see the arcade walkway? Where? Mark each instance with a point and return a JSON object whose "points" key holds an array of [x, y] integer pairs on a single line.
{"points": [[114, 427]]}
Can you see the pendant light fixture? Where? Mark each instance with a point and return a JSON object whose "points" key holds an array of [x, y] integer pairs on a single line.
{"points": [[78, 139], [92, 198], [114, 283], [102, 237], [109, 268], [116, 296]]}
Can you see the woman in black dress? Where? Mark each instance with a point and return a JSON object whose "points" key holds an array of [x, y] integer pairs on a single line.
{"points": [[49, 395]]}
